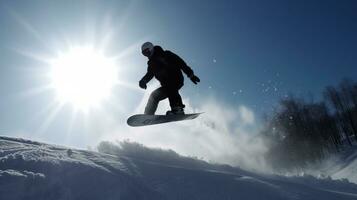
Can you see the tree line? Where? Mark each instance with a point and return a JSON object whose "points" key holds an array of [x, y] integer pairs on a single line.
{"points": [[300, 132]]}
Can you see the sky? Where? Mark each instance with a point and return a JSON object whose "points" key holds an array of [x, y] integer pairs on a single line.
{"points": [[248, 55]]}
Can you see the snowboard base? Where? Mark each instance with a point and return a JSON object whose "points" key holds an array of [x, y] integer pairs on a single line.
{"points": [[145, 120]]}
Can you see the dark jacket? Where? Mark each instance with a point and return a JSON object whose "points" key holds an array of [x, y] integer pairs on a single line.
{"points": [[166, 67]]}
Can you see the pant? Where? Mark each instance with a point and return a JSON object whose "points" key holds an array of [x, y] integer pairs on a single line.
{"points": [[162, 93]]}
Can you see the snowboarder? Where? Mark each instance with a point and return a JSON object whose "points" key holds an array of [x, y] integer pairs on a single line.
{"points": [[166, 67]]}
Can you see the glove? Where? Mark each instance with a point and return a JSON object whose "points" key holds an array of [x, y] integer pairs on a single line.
{"points": [[142, 84], [194, 79]]}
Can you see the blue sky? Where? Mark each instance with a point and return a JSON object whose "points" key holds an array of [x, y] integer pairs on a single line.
{"points": [[248, 53]]}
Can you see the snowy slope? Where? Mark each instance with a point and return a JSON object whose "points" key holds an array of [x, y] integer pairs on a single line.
{"points": [[341, 165], [349, 169], [31, 170]]}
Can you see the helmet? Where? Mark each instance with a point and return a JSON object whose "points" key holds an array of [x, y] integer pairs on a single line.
{"points": [[147, 45], [147, 48]]}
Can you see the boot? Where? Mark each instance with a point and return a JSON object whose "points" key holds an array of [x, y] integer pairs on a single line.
{"points": [[176, 111]]}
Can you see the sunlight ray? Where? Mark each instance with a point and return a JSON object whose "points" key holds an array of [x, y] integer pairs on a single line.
{"points": [[49, 119], [133, 48], [107, 38], [38, 57], [72, 121], [109, 32], [130, 9], [128, 85], [90, 27], [27, 26], [44, 111], [34, 91]]}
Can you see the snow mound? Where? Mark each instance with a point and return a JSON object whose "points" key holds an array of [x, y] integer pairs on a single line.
{"points": [[342, 165], [349, 169], [32, 170]]}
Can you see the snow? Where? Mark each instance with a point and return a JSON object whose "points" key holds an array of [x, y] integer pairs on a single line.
{"points": [[339, 166], [349, 170], [32, 170]]}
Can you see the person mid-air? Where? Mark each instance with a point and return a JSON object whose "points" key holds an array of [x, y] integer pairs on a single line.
{"points": [[167, 68]]}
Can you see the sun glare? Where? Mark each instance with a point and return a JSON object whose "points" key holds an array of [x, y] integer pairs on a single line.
{"points": [[83, 77]]}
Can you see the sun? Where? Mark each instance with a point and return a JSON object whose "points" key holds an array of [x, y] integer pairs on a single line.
{"points": [[83, 77]]}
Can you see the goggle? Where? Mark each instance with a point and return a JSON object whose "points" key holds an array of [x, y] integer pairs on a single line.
{"points": [[146, 52]]}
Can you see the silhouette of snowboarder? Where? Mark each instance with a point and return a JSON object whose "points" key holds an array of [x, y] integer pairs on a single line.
{"points": [[166, 67]]}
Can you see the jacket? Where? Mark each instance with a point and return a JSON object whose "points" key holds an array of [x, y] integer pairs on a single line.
{"points": [[167, 68]]}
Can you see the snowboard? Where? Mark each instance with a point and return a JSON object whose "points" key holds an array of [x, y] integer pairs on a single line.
{"points": [[145, 120]]}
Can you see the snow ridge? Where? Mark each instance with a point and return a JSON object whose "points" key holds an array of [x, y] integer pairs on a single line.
{"points": [[32, 170]]}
